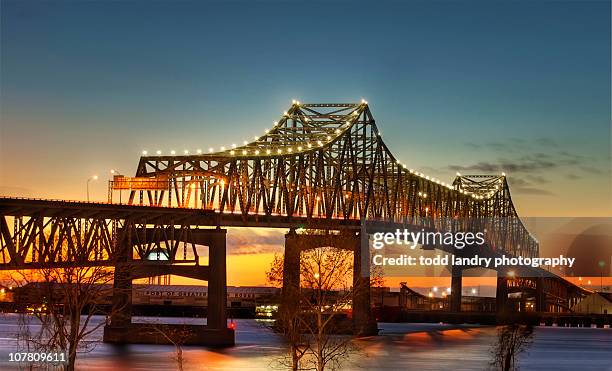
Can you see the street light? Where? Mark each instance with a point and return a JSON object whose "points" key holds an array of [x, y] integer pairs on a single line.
{"points": [[93, 177]]}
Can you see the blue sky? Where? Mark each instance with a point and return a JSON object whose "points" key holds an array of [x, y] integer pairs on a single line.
{"points": [[480, 86]]}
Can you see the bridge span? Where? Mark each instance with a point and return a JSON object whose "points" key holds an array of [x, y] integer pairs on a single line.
{"points": [[320, 167]]}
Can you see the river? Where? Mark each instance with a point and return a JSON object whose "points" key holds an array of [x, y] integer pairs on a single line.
{"points": [[406, 346]]}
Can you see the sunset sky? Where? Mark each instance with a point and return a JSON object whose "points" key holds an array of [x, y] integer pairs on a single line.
{"points": [[473, 86]]}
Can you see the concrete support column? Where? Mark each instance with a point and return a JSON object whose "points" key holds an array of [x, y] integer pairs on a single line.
{"points": [[217, 282], [456, 285], [364, 324], [291, 269], [501, 294], [540, 295], [121, 315]]}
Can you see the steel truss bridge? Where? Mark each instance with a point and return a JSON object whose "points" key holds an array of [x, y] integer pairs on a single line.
{"points": [[320, 166]]}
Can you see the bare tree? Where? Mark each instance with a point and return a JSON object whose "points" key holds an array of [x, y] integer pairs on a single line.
{"points": [[312, 320], [69, 298], [511, 341]]}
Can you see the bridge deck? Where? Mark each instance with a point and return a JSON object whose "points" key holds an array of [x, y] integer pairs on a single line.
{"points": [[10, 206]]}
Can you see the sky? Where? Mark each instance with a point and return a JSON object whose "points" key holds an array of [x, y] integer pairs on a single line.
{"points": [[472, 86]]}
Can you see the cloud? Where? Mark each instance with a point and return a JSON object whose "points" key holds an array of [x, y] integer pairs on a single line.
{"points": [[538, 179], [532, 191], [259, 241], [523, 186], [546, 142], [520, 165], [590, 169]]}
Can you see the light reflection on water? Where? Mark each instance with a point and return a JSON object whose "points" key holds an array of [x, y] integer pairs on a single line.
{"points": [[400, 346]]}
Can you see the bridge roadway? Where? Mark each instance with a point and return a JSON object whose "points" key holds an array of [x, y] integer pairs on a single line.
{"points": [[11, 206], [160, 215]]}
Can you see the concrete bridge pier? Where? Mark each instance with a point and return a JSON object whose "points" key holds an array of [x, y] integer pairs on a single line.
{"points": [[364, 323], [456, 285], [540, 297], [501, 294], [215, 333]]}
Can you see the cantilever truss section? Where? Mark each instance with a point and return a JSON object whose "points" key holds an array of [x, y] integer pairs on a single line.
{"points": [[327, 161]]}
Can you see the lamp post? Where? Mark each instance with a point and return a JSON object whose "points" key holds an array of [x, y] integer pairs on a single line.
{"points": [[93, 177]]}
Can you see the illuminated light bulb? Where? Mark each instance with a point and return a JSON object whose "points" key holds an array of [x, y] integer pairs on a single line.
{"points": [[268, 151], [346, 196], [289, 149], [299, 148], [267, 131], [458, 174], [144, 153], [233, 145], [256, 151], [363, 101], [404, 166], [198, 151], [503, 174], [337, 131], [398, 162], [328, 137], [427, 177], [293, 101], [245, 142], [211, 149], [279, 151], [186, 152], [285, 113], [411, 171], [244, 152], [275, 123], [309, 145], [420, 194], [232, 152], [173, 152], [223, 148], [159, 152], [318, 198], [425, 195], [256, 138], [319, 143]]}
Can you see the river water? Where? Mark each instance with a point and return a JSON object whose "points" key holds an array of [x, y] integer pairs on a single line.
{"points": [[404, 346]]}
